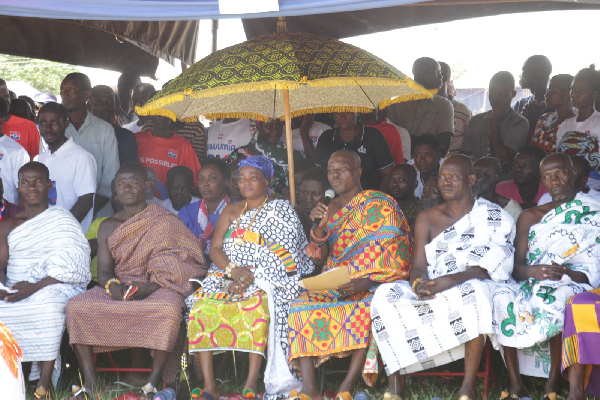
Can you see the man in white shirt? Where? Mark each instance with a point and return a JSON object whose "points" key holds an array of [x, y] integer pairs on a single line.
{"points": [[93, 134], [72, 168], [226, 135], [12, 157], [305, 135], [180, 182]]}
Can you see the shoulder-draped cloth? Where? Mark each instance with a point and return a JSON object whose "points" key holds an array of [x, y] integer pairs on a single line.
{"points": [[255, 321], [527, 314], [53, 245], [371, 238], [415, 335], [154, 246]]}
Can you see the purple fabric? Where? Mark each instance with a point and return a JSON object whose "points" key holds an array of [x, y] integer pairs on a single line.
{"points": [[262, 163]]}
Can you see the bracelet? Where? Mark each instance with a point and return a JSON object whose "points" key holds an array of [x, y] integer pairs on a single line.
{"points": [[319, 240], [230, 268], [415, 283], [110, 282]]}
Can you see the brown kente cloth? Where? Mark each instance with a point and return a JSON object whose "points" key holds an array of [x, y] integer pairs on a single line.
{"points": [[153, 246]]}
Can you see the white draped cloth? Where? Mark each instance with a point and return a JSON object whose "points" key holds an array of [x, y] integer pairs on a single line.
{"points": [[51, 244], [415, 335], [527, 314]]}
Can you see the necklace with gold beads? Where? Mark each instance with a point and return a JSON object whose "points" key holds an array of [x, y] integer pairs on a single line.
{"points": [[239, 241]]}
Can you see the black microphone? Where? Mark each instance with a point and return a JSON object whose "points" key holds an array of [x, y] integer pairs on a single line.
{"points": [[329, 195]]}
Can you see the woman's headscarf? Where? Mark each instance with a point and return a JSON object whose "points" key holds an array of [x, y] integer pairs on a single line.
{"points": [[261, 163]]}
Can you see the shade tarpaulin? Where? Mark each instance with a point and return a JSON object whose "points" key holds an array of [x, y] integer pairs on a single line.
{"points": [[348, 23], [126, 46]]}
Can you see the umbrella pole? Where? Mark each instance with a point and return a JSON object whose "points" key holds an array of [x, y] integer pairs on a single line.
{"points": [[290, 148]]}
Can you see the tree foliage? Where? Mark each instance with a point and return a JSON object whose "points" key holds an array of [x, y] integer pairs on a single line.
{"points": [[41, 74]]}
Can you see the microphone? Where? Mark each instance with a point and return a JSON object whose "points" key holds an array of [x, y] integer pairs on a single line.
{"points": [[329, 195]]}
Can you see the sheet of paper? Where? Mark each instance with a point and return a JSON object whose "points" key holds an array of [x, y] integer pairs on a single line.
{"points": [[329, 280], [5, 288]]}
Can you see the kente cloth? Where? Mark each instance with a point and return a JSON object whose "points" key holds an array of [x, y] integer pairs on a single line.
{"points": [[544, 137], [38, 321], [275, 248], [414, 335], [527, 314], [154, 246], [371, 238], [581, 338], [11, 372]]}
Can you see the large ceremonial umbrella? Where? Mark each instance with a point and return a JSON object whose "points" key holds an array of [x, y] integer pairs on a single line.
{"points": [[282, 76]]}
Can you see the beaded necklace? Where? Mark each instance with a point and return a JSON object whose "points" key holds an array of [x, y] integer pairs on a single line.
{"points": [[240, 241]]}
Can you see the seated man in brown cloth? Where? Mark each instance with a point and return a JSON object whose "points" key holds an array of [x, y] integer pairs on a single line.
{"points": [[146, 255]]}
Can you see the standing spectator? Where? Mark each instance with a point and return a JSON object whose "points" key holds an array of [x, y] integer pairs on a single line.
{"points": [[196, 134], [579, 136], [102, 105], [162, 149], [534, 76], [376, 160], [94, 135], [180, 182], [142, 92], [389, 132], [125, 85], [434, 115], [305, 135], [462, 113], [22, 109], [22, 131], [501, 131], [12, 158], [226, 135], [558, 97], [526, 187], [72, 168]]}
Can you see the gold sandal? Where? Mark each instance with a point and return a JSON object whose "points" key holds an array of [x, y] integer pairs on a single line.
{"points": [[389, 396]]}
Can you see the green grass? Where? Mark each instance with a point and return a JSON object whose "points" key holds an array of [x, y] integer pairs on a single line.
{"points": [[430, 386]]}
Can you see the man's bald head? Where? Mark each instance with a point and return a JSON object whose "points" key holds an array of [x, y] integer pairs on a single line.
{"points": [[558, 175], [350, 155], [410, 171], [490, 162], [557, 157], [427, 73], [461, 161]]}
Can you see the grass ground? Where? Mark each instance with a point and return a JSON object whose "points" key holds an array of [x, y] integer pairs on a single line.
{"points": [[430, 387]]}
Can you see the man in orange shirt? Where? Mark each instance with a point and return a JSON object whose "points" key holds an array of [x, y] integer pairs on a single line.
{"points": [[22, 131], [161, 149]]}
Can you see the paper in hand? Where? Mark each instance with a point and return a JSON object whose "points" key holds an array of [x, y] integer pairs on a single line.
{"points": [[7, 289], [330, 280]]}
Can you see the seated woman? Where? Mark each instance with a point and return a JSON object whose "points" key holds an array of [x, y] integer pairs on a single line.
{"points": [[258, 252], [265, 141]]}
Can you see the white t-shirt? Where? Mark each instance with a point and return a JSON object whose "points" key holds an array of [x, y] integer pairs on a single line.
{"points": [[12, 157], [133, 126], [169, 206], [73, 174], [314, 133], [223, 139], [590, 125]]}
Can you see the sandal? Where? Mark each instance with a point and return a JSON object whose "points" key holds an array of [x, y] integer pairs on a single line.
{"points": [[198, 393], [343, 396], [147, 389], [508, 396], [294, 395], [41, 393], [248, 393], [552, 396], [389, 396], [464, 397]]}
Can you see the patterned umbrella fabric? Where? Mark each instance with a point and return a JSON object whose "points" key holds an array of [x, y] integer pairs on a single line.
{"points": [[247, 80]]}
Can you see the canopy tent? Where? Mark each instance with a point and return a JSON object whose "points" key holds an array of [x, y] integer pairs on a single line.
{"points": [[125, 46], [353, 23]]}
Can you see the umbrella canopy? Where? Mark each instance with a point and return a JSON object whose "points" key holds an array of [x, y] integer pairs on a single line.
{"points": [[247, 80]]}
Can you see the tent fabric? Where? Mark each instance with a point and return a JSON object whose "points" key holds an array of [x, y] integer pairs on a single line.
{"points": [[353, 23], [182, 10], [124, 46]]}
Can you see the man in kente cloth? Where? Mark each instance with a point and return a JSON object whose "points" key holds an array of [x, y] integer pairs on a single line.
{"points": [[462, 248], [47, 261], [366, 233], [144, 246], [556, 257]]}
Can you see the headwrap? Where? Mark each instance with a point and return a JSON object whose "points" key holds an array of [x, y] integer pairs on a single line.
{"points": [[262, 163]]}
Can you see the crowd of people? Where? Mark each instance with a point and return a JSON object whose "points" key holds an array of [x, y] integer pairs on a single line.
{"points": [[147, 233]]}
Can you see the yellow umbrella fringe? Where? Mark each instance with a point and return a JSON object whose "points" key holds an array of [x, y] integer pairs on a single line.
{"points": [[158, 111], [191, 119], [297, 113], [404, 98]]}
